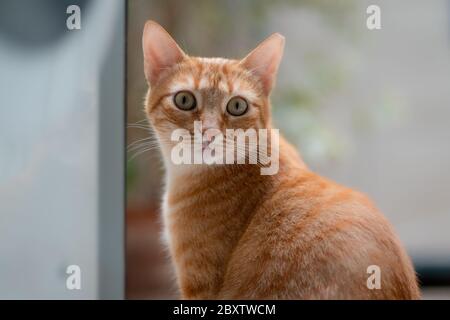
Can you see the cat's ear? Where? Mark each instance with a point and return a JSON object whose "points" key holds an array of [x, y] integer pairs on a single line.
{"points": [[265, 59], [160, 51]]}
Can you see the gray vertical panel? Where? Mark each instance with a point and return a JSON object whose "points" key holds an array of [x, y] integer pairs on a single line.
{"points": [[61, 143], [111, 167]]}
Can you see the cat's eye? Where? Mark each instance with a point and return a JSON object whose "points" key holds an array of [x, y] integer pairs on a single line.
{"points": [[185, 100], [237, 106]]}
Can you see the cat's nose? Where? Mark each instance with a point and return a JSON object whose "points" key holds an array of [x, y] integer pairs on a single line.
{"points": [[209, 134]]}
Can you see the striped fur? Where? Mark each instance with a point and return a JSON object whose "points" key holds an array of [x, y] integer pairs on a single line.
{"points": [[236, 234]]}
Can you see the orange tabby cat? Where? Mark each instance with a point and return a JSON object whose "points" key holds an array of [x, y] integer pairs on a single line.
{"points": [[236, 234]]}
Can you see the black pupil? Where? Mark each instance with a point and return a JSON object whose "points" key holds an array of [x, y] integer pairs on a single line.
{"points": [[184, 99], [236, 105]]}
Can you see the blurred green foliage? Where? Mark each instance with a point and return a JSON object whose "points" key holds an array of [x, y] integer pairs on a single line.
{"points": [[131, 174]]}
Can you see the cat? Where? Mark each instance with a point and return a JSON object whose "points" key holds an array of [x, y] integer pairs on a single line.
{"points": [[234, 233]]}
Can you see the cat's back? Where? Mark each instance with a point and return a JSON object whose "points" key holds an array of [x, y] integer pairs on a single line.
{"points": [[313, 238]]}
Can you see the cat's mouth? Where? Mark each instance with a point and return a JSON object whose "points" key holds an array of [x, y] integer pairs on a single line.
{"points": [[206, 145], [208, 150]]}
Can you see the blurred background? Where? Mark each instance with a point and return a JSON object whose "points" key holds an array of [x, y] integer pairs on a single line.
{"points": [[368, 109], [61, 149]]}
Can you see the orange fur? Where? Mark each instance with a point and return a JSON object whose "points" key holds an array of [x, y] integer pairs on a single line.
{"points": [[236, 234]]}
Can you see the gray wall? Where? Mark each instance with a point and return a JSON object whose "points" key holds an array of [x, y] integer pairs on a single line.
{"points": [[61, 149]]}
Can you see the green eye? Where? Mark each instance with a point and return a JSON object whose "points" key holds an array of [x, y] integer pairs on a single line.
{"points": [[237, 106], [185, 100]]}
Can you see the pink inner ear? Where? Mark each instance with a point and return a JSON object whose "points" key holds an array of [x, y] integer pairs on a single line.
{"points": [[160, 51], [265, 59]]}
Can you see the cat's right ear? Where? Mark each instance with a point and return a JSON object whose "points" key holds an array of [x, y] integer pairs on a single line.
{"points": [[160, 51], [265, 60]]}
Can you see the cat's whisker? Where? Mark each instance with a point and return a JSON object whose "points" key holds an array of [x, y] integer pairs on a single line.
{"points": [[141, 146], [139, 140], [133, 126], [140, 152], [143, 122], [140, 121]]}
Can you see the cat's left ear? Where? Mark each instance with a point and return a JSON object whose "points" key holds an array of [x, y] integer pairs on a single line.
{"points": [[161, 52], [265, 59]]}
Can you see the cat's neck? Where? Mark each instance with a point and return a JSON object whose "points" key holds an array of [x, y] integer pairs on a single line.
{"points": [[207, 209], [206, 212]]}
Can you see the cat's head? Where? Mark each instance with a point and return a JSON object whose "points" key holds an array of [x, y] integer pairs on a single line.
{"points": [[221, 93]]}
